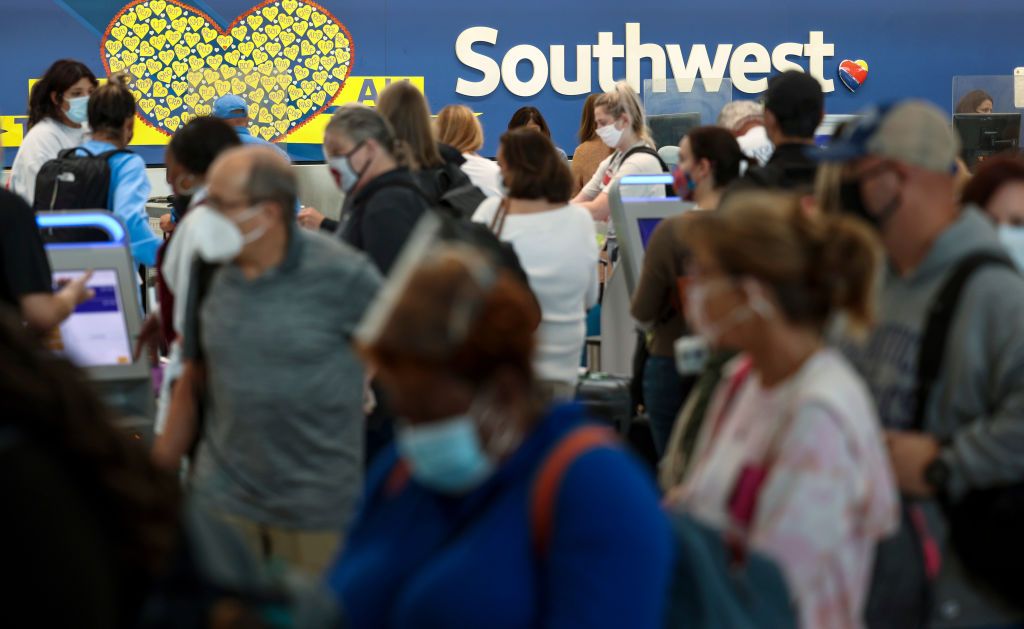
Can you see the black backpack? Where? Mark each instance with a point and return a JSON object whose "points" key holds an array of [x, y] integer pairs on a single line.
{"points": [[646, 150], [984, 526], [453, 189], [75, 182]]}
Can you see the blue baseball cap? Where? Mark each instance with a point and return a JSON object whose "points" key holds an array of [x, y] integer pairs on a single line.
{"points": [[914, 132], [230, 106]]}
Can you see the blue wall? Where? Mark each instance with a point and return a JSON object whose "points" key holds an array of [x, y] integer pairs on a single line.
{"points": [[913, 47]]}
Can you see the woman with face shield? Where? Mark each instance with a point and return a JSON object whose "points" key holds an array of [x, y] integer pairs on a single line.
{"points": [[791, 457], [491, 510]]}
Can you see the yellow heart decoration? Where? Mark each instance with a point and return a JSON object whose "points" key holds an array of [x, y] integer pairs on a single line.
{"points": [[203, 110], [287, 58]]}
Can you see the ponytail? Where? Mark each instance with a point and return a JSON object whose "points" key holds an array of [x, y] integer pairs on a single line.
{"points": [[846, 267], [111, 105], [721, 149]]}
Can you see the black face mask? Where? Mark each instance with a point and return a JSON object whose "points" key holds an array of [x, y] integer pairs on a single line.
{"points": [[179, 205]]}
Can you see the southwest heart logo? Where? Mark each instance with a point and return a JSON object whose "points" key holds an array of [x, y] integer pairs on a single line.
{"points": [[853, 73], [288, 58]]}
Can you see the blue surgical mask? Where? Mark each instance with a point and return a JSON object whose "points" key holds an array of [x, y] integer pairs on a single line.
{"points": [[1012, 237], [445, 456], [79, 109]]}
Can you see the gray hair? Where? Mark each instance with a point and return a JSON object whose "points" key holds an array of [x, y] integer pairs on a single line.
{"points": [[737, 113], [360, 123], [271, 179]]}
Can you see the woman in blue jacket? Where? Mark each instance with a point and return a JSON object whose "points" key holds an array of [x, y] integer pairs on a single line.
{"points": [[485, 513]]}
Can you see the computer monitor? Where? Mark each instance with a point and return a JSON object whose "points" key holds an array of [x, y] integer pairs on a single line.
{"points": [[636, 219], [101, 334], [669, 129], [829, 124], [982, 135]]}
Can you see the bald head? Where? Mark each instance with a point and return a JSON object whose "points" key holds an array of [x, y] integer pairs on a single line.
{"points": [[249, 175]]}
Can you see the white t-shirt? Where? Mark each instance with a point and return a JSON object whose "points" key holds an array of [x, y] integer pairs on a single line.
{"points": [[558, 251], [613, 168], [756, 145], [41, 144], [484, 173]]}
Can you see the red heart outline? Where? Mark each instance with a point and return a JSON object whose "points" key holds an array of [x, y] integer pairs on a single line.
{"points": [[227, 33]]}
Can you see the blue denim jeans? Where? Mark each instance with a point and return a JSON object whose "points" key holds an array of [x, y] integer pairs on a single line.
{"points": [[664, 393]]}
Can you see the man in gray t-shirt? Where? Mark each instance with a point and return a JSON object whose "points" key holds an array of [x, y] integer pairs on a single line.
{"points": [[281, 450]]}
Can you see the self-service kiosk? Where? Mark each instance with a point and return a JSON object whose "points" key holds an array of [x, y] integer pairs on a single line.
{"points": [[101, 334], [634, 219]]}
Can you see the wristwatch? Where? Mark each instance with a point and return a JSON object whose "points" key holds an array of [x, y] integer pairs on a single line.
{"points": [[937, 475]]}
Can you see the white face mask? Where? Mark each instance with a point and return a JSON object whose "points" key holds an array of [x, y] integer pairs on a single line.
{"points": [[712, 331], [218, 238], [342, 166], [1012, 237], [691, 355], [610, 135]]}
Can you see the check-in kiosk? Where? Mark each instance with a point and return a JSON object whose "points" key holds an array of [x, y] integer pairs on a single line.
{"points": [[101, 334], [635, 219]]}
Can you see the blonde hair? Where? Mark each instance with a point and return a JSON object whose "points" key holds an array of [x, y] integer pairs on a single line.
{"points": [[458, 127], [624, 100], [816, 264]]}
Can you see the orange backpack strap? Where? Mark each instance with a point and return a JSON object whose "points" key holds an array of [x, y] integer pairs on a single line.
{"points": [[544, 495]]}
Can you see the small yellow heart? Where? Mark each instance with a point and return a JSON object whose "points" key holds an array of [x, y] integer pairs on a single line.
{"points": [[247, 48], [159, 26], [162, 112], [246, 65], [209, 34], [141, 29], [173, 102], [204, 50], [328, 61], [167, 56], [301, 73], [300, 28], [292, 52], [277, 96], [207, 92], [144, 84], [267, 82], [270, 13], [272, 31], [332, 88], [325, 46], [281, 64], [227, 72], [158, 6], [147, 105], [129, 57], [304, 11], [143, 12], [196, 22], [187, 117], [159, 41], [192, 100], [267, 132], [179, 87], [286, 21], [180, 68], [344, 56], [180, 25], [203, 110], [196, 63], [308, 87], [320, 98], [294, 114], [239, 32], [273, 49], [128, 19], [214, 61], [307, 48], [265, 117], [173, 37], [116, 65], [223, 87], [281, 126], [232, 57], [224, 40], [252, 79], [237, 86], [259, 39], [132, 43], [290, 5], [316, 36], [166, 75], [258, 95], [195, 78], [173, 12], [113, 46], [283, 80], [305, 104], [294, 93], [279, 110], [172, 123], [210, 76], [153, 65], [287, 38], [159, 90], [146, 50], [254, 21], [191, 39], [260, 57], [119, 32], [312, 62], [331, 30], [319, 19], [320, 77]]}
